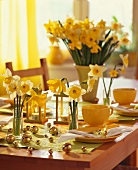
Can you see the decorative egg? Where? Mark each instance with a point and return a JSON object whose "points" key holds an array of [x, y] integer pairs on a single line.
{"points": [[10, 138], [29, 150], [27, 135], [53, 130], [50, 151], [46, 136], [48, 124], [67, 147], [38, 142], [83, 148], [24, 129], [26, 138], [28, 127], [51, 139], [15, 144], [34, 129], [10, 130]]}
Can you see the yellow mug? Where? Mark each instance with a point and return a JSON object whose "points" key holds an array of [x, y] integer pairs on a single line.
{"points": [[96, 114]]}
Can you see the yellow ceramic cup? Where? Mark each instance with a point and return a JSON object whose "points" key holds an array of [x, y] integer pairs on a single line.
{"points": [[124, 96], [96, 114]]}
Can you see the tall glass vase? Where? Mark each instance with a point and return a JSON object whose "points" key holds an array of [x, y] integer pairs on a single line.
{"points": [[17, 121], [73, 115], [83, 75]]}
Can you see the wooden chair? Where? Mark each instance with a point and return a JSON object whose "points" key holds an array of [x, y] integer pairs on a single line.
{"points": [[137, 68], [42, 70]]}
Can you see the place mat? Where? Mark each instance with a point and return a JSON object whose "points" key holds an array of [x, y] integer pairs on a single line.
{"points": [[2, 135], [46, 144]]}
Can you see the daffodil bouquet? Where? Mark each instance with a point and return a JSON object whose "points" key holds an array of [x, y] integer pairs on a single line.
{"points": [[87, 42], [74, 92], [97, 72], [17, 89]]}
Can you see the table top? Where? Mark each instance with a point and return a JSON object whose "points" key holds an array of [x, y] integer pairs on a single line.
{"points": [[105, 157]]}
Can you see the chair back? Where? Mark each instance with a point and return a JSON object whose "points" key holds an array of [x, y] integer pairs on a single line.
{"points": [[42, 70]]}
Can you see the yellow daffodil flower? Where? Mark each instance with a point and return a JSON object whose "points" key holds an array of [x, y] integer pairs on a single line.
{"points": [[113, 73], [75, 91], [124, 59], [96, 71], [87, 39], [56, 85], [101, 24]]}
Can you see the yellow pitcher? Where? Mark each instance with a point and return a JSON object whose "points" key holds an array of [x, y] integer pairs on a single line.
{"points": [[56, 55]]}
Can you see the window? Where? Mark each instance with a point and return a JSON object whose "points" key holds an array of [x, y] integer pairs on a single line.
{"points": [[106, 9], [54, 10]]}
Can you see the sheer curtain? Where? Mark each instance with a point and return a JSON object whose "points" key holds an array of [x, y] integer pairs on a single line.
{"points": [[18, 42]]}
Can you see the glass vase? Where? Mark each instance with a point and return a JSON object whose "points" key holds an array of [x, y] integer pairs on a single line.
{"points": [[73, 118], [106, 99], [17, 124]]}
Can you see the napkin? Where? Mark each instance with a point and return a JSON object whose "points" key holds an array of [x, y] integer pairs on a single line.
{"points": [[130, 108], [5, 121], [110, 132]]}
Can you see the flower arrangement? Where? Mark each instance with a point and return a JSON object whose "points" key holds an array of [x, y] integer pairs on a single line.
{"points": [[113, 74], [18, 91], [97, 71], [87, 42], [74, 92]]}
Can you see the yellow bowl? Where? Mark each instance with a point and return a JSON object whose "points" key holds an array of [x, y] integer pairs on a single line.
{"points": [[96, 114], [124, 96]]}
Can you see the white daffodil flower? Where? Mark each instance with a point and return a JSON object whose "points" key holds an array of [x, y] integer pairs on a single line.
{"points": [[25, 87], [96, 71]]}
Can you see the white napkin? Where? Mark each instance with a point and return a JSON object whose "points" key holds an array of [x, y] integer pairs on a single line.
{"points": [[71, 134], [5, 121], [125, 108]]}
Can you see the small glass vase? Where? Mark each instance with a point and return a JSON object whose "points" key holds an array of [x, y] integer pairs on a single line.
{"points": [[73, 117], [17, 124], [106, 99]]}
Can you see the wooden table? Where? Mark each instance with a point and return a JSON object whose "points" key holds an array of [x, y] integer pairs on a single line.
{"points": [[105, 157]]}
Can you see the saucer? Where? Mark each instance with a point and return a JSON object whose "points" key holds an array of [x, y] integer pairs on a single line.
{"points": [[125, 110], [96, 140]]}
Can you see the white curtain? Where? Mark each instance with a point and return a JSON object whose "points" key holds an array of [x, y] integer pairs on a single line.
{"points": [[18, 42]]}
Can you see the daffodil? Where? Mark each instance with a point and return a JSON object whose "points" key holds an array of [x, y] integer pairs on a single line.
{"points": [[88, 42], [25, 87], [124, 59], [16, 89], [74, 92], [90, 83], [96, 71], [113, 74], [56, 85]]}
